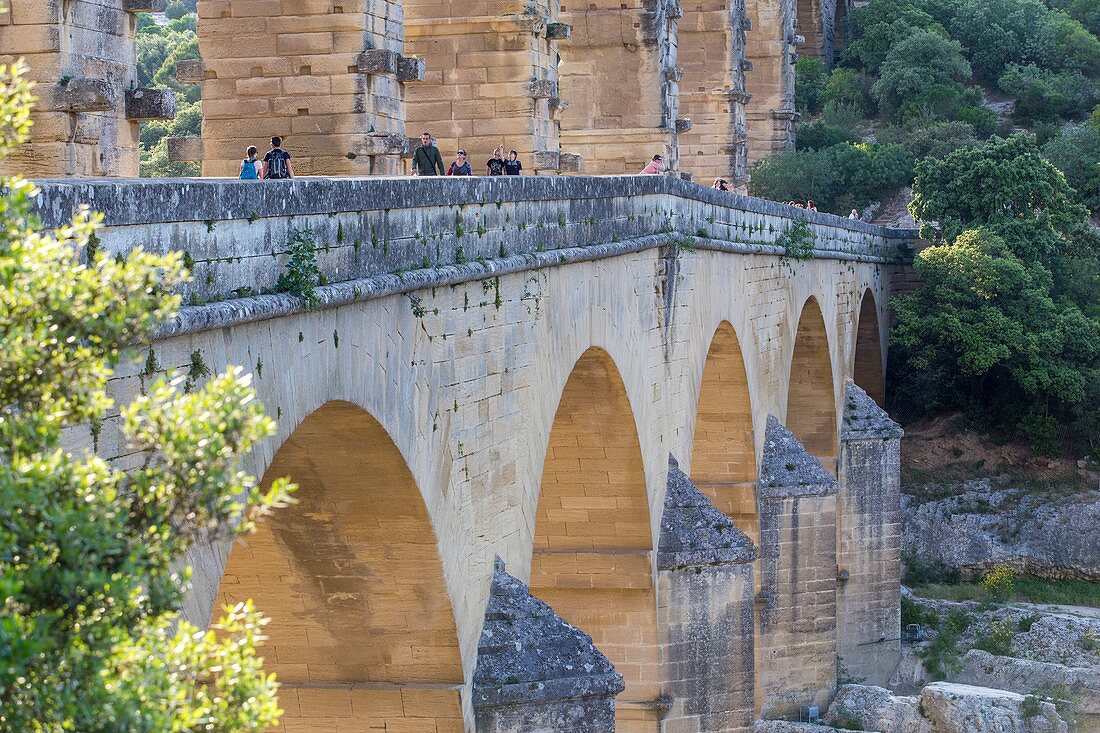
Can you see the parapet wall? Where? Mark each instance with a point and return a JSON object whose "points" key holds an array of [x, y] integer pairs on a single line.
{"points": [[418, 232]]}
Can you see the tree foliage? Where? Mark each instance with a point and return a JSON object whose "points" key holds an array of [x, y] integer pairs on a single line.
{"points": [[159, 48], [923, 61], [90, 639], [988, 330]]}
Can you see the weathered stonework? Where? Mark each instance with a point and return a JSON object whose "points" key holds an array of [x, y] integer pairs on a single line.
{"points": [[502, 367], [705, 587], [868, 539], [535, 671], [797, 598]]}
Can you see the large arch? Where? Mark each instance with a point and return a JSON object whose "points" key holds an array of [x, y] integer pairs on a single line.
{"points": [[867, 370], [769, 79], [811, 404], [711, 90], [362, 631], [810, 26], [593, 536]]}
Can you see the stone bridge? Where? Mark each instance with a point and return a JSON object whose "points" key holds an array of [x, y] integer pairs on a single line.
{"points": [[592, 379]]}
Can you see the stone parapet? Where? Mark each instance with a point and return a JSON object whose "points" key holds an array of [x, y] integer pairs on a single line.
{"points": [[535, 671]]}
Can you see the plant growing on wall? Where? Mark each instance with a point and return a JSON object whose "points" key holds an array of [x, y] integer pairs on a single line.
{"points": [[90, 638], [301, 275], [798, 241]]}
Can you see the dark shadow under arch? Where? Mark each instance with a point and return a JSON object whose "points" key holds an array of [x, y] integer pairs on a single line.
{"points": [[811, 404], [868, 371]]}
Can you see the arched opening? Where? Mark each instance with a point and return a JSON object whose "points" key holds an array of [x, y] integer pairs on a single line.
{"points": [[723, 457], [811, 27], [868, 371], [710, 90], [811, 406], [593, 539], [840, 27], [769, 113], [362, 633], [723, 454], [611, 76]]}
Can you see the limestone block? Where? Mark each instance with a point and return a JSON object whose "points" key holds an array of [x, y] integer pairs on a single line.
{"points": [[84, 95], [410, 68], [570, 163], [185, 149], [954, 707], [150, 104], [5, 15], [547, 160], [380, 144], [190, 71], [143, 6], [876, 708], [535, 671], [542, 89], [558, 31], [684, 124], [377, 61]]}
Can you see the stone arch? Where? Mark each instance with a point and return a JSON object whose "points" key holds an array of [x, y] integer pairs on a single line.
{"points": [[867, 370], [612, 75], [769, 79], [723, 457], [593, 541], [362, 627], [840, 27], [811, 403], [710, 34]]}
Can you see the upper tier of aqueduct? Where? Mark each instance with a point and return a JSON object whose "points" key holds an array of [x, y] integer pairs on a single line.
{"points": [[599, 86]]}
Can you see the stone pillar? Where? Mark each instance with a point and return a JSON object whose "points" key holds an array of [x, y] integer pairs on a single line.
{"points": [[797, 599], [711, 52], [81, 55], [705, 613], [770, 55], [620, 77], [868, 531], [325, 75], [535, 672], [491, 78]]}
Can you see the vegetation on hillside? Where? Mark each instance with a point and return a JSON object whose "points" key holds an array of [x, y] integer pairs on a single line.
{"points": [[921, 74], [90, 637], [158, 48]]}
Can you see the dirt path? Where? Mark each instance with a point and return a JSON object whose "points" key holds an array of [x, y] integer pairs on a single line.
{"points": [[1058, 609]]}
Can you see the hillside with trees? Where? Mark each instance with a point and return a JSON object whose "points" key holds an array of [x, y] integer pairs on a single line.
{"points": [[161, 42]]}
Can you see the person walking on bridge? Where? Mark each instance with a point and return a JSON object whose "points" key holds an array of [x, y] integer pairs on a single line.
{"points": [[427, 159], [656, 165]]}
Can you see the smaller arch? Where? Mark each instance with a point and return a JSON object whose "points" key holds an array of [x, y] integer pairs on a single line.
{"points": [[351, 580], [811, 402], [592, 559], [868, 370], [811, 27]]}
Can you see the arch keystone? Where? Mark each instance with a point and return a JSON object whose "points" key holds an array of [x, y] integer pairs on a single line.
{"points": [[535, 671], [705, 586]]}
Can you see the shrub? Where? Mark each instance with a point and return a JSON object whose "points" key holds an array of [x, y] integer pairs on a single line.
{"points": [[879, 26], [849, 88], [301, 275], [998, 640], [937, 139], [796, 175], [809, 84], [818, 135], [923, 60], [1045, 95], [1077, 154], [999, 582]]}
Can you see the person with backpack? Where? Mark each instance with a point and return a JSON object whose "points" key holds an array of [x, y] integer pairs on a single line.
{"points": [[460, 166], [250, 166], [426, 158], [277, 162], [512, 166]]}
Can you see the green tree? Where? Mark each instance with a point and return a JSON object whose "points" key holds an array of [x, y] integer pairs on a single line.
{"points": [[809, 83], [90, 639], [997, 325], [1043, 95], [881, 25], [1077, 154], [923, 60]]}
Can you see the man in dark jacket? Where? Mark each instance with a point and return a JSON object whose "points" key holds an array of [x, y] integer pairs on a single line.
{"points": [[426, 159]]}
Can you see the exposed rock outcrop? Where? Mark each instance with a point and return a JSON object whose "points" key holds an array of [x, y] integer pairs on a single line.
{"points": [[1026, 676], [979, 527], [876, 708]]}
